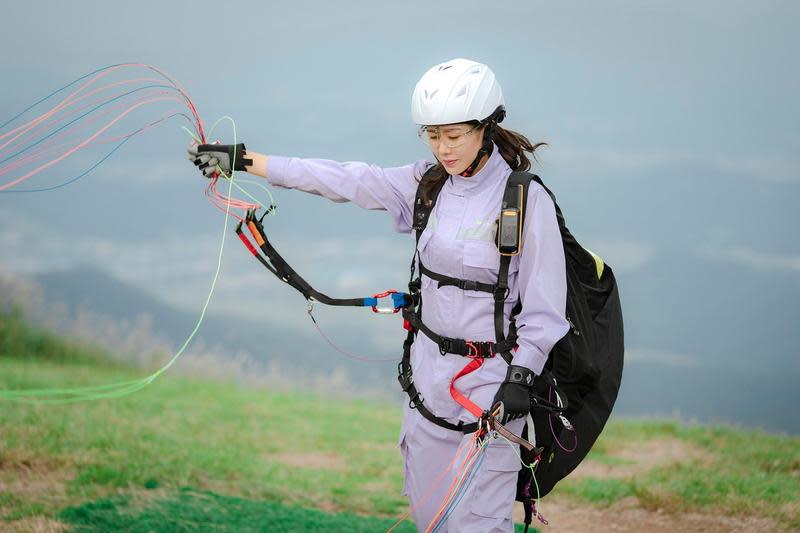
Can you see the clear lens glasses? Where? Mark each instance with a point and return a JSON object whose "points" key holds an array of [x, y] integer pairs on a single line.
{"points": [[450, 136]]}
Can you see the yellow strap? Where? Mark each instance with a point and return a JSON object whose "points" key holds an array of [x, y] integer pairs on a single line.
{"points": [[598, 263]]}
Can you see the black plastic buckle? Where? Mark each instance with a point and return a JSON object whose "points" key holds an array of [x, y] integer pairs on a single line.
{"points": [[406, 380], [444, 345], [469, 285], [454, 346], [413, 402], [415, 286], [501, 292]]}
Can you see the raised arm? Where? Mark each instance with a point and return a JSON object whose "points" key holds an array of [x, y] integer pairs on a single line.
{"points": [[368, 186]]}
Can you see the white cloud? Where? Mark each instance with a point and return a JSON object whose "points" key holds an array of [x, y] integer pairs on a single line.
{"points": [[775, 167], [754, 259]]}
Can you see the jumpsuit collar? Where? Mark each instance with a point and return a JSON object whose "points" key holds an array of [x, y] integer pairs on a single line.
{"points": [[495, 168]]}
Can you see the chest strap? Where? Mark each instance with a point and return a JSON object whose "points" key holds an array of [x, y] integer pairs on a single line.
{"points": [[463, 284]]}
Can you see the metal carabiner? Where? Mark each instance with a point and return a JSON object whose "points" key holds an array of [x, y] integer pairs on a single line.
{"points": [[384, 310]]}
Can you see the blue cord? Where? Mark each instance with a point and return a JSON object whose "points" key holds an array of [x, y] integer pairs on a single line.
{"points": [[80, 117], [12, 119], [79, 176]]}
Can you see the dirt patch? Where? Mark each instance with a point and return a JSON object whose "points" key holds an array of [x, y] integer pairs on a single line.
{"points": [[30, 478], [316, 461], [626, 515], [791, 510], [35, 524], [641, 458]]}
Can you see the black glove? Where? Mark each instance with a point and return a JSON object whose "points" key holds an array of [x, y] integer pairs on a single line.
{"points": [[210, 158], [513, 396]]}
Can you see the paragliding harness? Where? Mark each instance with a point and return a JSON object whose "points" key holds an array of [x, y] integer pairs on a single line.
{"points": [[580, 380], [582, 375]]}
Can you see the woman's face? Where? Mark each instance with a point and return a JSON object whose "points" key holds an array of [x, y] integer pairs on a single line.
{"points": [[454, 145]]}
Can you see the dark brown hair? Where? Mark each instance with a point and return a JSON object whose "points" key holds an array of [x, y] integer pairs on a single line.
{"points": [[512, 146]]}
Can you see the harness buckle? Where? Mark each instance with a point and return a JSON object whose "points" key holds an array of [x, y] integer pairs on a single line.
{"points": [[454, 346], [444, 345], [416, 400], [405, 379], [415, 286], [501, 292], [485, 349], [469, 285]]}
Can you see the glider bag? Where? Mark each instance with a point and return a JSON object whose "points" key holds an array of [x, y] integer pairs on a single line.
{"points": [[586, 365]]}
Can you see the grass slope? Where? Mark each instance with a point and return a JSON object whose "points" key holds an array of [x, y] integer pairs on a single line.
{"points": [[190, 450]]}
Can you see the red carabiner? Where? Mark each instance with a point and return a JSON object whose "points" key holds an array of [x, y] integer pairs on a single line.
{"points": [[384, 310]]}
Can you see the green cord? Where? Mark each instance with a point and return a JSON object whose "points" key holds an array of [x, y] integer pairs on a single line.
{"points": [[116, 390], [243, 191]]}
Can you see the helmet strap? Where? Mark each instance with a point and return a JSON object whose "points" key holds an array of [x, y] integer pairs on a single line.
{"points": [[488, 136], [485, 150]]}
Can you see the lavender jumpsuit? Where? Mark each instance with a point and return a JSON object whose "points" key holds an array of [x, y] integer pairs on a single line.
{"points": [[458, 242]]}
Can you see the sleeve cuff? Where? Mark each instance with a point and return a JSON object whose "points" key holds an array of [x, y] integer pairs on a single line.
{"points": [[278, 170], [532, 359]]}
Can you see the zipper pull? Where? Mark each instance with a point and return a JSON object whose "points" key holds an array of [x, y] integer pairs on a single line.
{"points": [[572, 326]]}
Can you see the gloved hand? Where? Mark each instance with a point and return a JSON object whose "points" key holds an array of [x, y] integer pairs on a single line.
{"points": [[513, 396], [210, 158]]}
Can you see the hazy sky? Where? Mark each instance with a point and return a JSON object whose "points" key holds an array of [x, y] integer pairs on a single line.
{"points": [[673, 132]]}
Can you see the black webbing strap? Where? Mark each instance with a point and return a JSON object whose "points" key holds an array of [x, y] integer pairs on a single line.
{"points": [[463, 284], [413, 313], [510, 199], [480, 349], [288, 275], [416, 401]]}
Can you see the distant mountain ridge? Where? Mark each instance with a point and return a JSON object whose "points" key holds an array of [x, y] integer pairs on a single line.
{"points": [[93, 290], [719, 384]]}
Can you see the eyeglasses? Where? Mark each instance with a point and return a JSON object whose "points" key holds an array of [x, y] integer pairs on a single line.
{"points": [[449, 136]]}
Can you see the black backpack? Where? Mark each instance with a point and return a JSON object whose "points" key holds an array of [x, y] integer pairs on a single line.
{"points": [[572, 400]]}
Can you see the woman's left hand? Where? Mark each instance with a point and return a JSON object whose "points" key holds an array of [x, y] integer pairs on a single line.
{"points": [[514, 395]]}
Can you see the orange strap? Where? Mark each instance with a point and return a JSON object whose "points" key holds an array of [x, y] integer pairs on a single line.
{"points": [[473, 408], [457, 395]]}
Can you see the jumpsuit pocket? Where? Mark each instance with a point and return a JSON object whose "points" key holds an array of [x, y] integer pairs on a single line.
{"points": [[496, 483], [481, 256]]}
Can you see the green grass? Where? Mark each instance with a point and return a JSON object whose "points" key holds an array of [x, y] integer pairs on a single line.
{"points": [[273, 455], [737, 472], [193, 510]]}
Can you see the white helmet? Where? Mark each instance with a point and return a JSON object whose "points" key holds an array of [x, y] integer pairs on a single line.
{"points": [[455, 91]]}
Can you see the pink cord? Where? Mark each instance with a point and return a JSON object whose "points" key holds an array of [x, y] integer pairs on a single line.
{"points": [[345, 352]]}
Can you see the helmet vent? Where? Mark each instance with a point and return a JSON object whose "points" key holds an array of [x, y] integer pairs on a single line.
{"points": [[462, 92], [428, 95], [444, 67]]}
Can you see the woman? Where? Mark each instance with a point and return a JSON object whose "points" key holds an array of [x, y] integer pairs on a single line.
{"points": [[458, 105]]}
